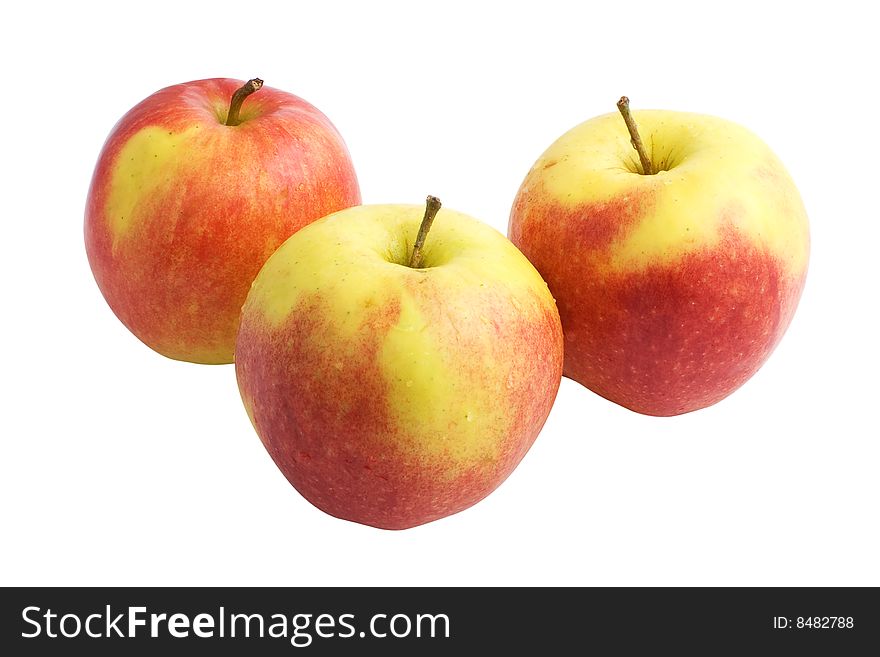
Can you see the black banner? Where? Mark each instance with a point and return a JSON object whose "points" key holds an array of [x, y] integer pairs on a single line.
{"points": [[438, 621]]}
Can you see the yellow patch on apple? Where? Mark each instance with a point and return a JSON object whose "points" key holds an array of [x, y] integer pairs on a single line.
{"points": [[695, 154], [148, 162]]}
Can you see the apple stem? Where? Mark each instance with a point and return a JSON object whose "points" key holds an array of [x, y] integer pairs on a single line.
{"points": [[238, 97], [635, 139], [432, 207]]}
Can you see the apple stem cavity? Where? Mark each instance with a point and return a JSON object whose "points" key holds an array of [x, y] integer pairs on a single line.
{"points": [[249, 87], [635, 139], [432, 207]]}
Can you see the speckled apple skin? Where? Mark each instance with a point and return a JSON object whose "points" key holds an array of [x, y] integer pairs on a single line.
{"points": [[392, 396], [183, 210], [673, 289]]}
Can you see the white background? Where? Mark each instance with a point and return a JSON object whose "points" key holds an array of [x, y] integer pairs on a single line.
{"points": [[119, 466]]}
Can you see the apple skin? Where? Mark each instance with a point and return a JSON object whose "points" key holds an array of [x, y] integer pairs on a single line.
{"points": [[393, 396], [673, 288], [183, 210]]}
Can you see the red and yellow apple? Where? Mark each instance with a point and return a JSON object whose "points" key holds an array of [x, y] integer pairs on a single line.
{"points": [[394, 395], [183, 209], [673, 287]]}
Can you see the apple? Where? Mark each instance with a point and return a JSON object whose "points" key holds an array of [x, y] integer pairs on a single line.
{"points": [[193, 191], [677, 265], [395, 379]]}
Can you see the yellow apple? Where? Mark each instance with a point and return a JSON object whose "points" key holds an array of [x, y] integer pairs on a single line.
{"points": [[390, 394], [675, 285]]}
